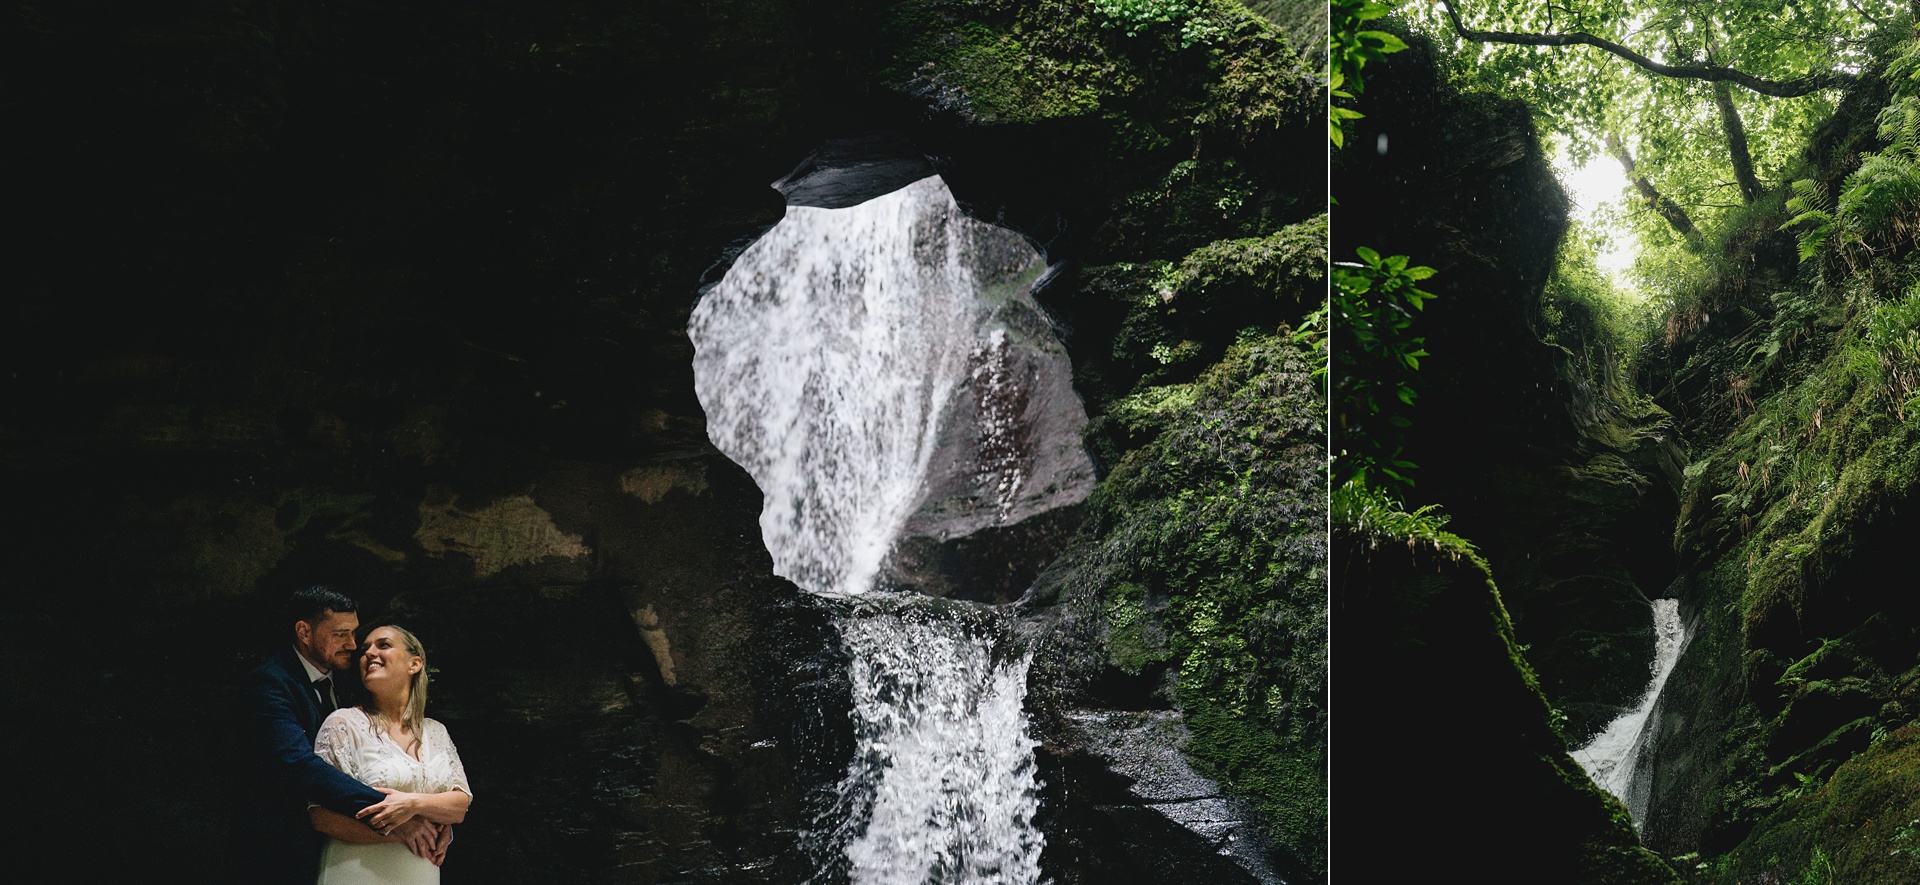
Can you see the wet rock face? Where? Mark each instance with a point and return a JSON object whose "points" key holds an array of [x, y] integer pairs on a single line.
{"points": [[1009, 474], [850, 171], [1141, 782], [1568, 490]]}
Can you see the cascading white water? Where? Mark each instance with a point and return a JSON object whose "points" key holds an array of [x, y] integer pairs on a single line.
{"points": [[825, 359], [1612, 759], [941, 788]]}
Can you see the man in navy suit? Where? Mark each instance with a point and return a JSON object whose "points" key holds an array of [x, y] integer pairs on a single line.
{"points": [[288, 696]]}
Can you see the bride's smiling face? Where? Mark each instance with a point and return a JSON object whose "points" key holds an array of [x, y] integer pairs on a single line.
{"points": [[386, 659]]}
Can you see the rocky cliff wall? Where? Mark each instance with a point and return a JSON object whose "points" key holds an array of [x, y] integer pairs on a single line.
{"points": [[1787, 748], [1564, 481], [1560, 481]]}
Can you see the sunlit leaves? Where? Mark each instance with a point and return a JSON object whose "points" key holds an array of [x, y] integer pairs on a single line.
{"points": [[1671, 125]]}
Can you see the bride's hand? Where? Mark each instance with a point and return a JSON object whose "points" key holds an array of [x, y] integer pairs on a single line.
{"points": [[396, 809], [422, 837]]}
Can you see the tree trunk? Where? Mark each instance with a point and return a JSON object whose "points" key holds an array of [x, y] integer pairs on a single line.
{"points": [[1667, 208], [1736, 131]]}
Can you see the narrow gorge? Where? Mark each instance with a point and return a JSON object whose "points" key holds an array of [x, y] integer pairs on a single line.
{"points": [[1654, 602]]}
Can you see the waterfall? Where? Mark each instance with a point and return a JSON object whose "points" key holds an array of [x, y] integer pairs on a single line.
{"points": [[1613, 758], [826, 359]]}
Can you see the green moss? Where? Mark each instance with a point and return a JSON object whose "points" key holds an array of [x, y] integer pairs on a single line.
{"points": [[1288, 265], [1211, 533], [1214, 66], [1006, 81], [1860, 825], [1286, 785], [1135, 641]]}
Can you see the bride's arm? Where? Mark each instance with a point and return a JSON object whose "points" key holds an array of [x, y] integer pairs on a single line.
{"points": [[449, 807]]}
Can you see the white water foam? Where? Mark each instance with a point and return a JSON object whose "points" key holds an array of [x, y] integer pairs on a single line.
{"points": [[1612, 759], [941, 789], [824, 360]]}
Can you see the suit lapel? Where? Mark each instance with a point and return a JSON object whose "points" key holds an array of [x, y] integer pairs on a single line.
{"points": [[302, 689]]}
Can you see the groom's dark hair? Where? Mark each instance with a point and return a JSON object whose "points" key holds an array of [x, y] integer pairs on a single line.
{"points": [[313, 603]]}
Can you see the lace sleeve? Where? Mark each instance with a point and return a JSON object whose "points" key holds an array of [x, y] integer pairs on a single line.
{"points": [[453, 756], [339, 744]]}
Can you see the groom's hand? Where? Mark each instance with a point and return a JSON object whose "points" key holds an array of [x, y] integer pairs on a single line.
{"points": [[440, 846], [420, 837]]}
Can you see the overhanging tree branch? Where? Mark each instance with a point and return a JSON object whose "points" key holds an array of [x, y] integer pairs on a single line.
{"points": [[1797, 86]]}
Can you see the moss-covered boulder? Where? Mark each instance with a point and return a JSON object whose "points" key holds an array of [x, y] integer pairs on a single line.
{"points": [[1445, 676]]}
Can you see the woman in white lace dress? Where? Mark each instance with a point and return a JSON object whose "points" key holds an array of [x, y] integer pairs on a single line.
{"points": [[390, 744]]}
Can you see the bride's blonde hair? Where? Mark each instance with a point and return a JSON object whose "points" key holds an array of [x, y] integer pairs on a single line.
{"points": [[416, 712]]}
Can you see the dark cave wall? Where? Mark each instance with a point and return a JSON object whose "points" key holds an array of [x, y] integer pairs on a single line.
{"points": [[391, 298]]}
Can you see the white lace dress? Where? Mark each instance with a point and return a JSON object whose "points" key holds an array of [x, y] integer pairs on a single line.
{"points": [[350, 742]]}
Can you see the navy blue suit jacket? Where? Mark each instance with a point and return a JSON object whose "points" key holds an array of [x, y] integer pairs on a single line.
{"points": [[277, 842]]}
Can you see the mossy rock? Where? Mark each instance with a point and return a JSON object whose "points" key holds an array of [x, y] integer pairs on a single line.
{"points": [[1860, 825]]}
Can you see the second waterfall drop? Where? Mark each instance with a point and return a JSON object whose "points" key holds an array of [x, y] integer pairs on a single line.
{"points": [[827, 360], [1612, 758]]}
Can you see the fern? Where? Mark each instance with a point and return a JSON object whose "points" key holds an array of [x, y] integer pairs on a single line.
{"points": [[1877, 200], [1809, 204]]}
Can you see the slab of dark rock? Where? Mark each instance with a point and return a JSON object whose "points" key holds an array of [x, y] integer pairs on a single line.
{"points": [[1127, 806], [850, 171]]}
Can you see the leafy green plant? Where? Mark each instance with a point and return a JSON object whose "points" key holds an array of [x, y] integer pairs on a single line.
{"points": [[1375, 354], [1823, 221], [1904, 836], [1349, 49], [1373, 513], [1137, 17], [1891, 331], [1819, 869]]}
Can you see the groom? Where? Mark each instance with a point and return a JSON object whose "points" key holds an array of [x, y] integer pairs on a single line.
{"points": [[287, 698]]}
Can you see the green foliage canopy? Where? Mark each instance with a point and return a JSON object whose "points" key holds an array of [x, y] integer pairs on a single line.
{"points": [[1670, 124]]}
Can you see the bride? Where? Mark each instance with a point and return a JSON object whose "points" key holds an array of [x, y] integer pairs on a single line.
{"points": [[389, 743]]}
